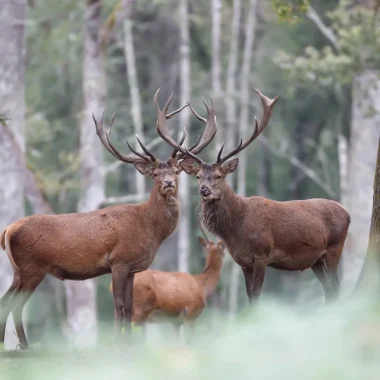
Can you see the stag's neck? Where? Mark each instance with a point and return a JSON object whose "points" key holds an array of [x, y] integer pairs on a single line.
{"points": [[223, 216], [163, 212], [210, 276]]}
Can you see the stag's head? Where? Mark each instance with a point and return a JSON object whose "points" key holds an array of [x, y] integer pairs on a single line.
{"points": [[164, 173], [211, 177]]}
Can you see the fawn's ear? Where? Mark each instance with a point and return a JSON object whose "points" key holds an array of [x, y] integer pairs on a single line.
{"points": [[188, 166], [145, 168], [203, 242], [230, 166]]}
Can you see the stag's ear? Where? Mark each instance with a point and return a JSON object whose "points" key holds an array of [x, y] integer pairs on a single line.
{"points": [[203, 242], [145, 168], [188, 166], [222, 246], [230, 166]]}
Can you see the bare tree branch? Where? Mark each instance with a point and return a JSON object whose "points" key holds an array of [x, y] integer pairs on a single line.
{"points": [[125, 199], [323, 28]]}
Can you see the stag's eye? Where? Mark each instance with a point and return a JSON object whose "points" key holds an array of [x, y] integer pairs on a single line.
{"points": [[155, 175], [198, 176], [218, 176], [176, 171]]}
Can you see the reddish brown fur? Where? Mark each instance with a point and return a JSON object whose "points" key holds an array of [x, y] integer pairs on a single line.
{"points": [[259, 232], [119, 239], [176, 295]]}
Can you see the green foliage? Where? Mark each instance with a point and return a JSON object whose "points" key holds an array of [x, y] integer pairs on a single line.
{"points": [[357, 33], [290, 11]]}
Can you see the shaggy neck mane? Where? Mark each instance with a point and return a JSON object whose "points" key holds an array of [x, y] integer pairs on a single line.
{"points": [[223, 215], [163, 211]]}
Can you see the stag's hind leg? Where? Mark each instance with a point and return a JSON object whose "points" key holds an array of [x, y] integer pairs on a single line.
{"points": [[327, 273], [28, 284], [6, 306]]}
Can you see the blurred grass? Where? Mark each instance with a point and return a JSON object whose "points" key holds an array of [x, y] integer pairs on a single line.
{"points": [[338, 341]]}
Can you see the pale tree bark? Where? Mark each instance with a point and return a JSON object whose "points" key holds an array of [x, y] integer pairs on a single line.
{"points": [[216, 71], [81, 295], [134, 90], [250, 26], [365, 129], [370, 273], [12, 69], [184, 120], [230, 99], [343, 167]]}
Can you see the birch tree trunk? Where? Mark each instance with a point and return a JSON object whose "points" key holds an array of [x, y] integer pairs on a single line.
{"points": [[250, 27], [216, 72], [12, 68], [230, 98], [365, 129], [129, 52], [184, 120], [81, 295], [370, 273]]}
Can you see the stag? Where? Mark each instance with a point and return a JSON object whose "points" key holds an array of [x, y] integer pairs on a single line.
{"points": [[121, 240], [177, 296], [259, 232]]}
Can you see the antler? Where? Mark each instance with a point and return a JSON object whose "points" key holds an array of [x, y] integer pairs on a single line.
{"points": [[210, 130], [104, 135], [161, 125], [268, 105]]}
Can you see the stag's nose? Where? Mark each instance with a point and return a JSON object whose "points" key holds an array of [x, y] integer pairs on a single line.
{"points": [[169, 183], [204, 190]]}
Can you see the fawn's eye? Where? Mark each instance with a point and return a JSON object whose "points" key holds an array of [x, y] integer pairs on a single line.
{"points": [[198, 176]]}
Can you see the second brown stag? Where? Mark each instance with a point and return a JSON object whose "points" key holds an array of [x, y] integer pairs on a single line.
{"points": [[121, 240], [177, 297], [259, 232]]}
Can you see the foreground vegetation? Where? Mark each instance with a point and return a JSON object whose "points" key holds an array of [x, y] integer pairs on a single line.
{"points": [[339, 341]]}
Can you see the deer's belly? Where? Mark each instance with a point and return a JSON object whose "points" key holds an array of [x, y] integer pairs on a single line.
{"points": [[295, 260]]}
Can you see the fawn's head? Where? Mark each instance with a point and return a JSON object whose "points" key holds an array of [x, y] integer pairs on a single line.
{"points": [[164, 173], [211, 177], [212, 249]]}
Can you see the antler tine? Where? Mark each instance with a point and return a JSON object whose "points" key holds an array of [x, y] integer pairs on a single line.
{"points": [[145, 158], [161, 125], [146, 150], [268, 105], [104, 136], [211, 127], [183, 138], [220, 152], [188, 153]]}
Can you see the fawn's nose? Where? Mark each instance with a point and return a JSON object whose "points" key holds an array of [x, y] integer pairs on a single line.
{"points": [[204, 190]]}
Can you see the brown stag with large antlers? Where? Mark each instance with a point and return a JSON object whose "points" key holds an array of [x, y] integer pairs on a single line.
{"points": [[259, 232], [121, 240]]}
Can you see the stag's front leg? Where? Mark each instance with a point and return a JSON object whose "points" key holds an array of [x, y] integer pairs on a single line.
{"points": [[119, 283], [248, 277], [128, 303]]}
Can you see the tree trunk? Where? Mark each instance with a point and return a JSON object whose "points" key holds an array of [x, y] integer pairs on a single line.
{"points": [[230, 97], [184, 186], [244, 122], [81, 295], [12, 68], [216, 72], [129, 52], [365, 128], [370, 273]]}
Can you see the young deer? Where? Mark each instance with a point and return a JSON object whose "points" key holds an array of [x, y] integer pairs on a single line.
{"points": [[181, 297], [259, 232], [121, 240]]}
